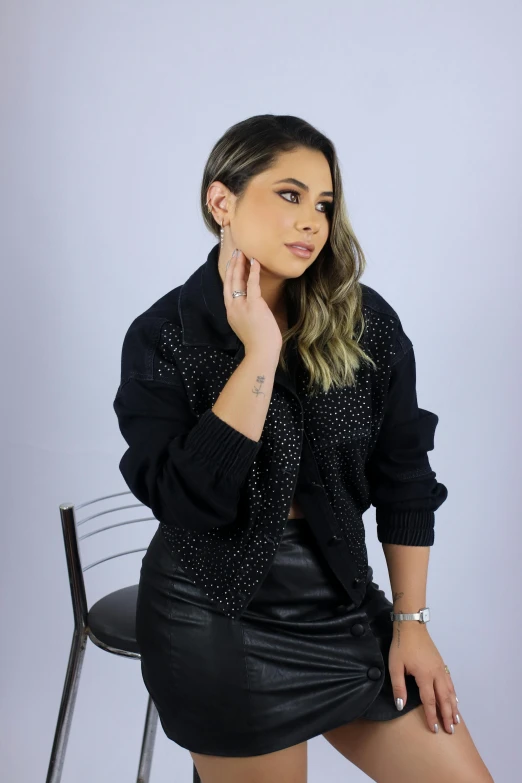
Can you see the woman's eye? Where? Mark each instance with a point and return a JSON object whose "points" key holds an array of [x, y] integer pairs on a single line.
{"points": [[328, 205]]}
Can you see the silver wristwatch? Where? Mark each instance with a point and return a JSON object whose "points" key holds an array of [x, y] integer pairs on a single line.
{"points": [[423, 615]]}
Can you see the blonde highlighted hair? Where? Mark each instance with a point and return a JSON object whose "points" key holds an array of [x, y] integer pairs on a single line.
{"points": [[327, 298]]}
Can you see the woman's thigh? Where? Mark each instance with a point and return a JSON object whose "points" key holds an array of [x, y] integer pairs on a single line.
{"points": [[289, 765], [404, 749]]}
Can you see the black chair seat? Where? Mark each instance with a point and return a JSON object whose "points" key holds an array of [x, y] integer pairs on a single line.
{"points": [[112, 619]]}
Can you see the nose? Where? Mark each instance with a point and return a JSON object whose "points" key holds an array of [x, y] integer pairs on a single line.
{"points": [[307, 225]]}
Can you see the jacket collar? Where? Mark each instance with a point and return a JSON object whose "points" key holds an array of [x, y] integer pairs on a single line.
{"points": [[204, 320]]}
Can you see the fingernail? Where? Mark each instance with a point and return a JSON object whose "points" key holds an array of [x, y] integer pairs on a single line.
{"points": [[251, 261], [399, 703], [456, 700], [452, 727], [457, 717], [436, 728]]}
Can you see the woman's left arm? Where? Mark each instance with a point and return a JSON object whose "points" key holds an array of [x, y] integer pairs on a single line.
{"points": [[412, 650], [406, 494], [408, 570]]}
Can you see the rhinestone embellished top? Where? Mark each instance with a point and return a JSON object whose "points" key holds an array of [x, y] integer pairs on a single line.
{"points": [[222, 499]]}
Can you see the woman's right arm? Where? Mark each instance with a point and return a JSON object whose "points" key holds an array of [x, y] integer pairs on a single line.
{"points": [[189, 471]]}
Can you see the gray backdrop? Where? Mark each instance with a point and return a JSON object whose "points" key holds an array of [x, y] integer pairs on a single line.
{"points": [[109, 110]]}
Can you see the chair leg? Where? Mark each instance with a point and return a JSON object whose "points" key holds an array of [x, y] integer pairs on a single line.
{"points": [[147, 745], [70, 689]]}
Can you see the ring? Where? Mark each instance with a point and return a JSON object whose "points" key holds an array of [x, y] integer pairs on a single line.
{"points": [[446, 669], [238, 293]]}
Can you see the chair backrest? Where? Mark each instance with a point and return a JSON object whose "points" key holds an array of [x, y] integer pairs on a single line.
{"points": [[72, 539]]}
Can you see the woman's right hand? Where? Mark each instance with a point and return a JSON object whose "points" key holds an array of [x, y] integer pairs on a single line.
{"points": [[249, 316]]}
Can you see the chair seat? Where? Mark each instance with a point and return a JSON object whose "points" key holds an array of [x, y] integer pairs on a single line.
{"points": [[112, 619]]}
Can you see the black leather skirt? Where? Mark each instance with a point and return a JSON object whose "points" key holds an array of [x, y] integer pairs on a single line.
{"points": [[299, 661]]}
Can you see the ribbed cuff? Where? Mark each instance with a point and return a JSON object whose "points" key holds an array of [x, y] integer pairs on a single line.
{"points": [[229, 450], [411, 528]]}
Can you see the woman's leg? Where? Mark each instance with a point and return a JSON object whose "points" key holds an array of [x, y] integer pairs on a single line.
{"points": [[289, 765], [404, 749]]}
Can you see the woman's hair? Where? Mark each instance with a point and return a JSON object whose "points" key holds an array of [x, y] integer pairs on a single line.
{"points": [[327, 298]]}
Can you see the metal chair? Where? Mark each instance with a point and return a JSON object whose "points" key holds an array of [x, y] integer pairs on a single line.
{"points": [[109, 623]]}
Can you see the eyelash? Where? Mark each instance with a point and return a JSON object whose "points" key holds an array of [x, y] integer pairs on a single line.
{"points": [[328, 204]]}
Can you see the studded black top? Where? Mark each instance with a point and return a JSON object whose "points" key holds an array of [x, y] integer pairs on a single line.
{"points": [[223, 499]]}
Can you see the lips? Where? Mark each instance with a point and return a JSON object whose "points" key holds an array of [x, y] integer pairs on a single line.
{"points": [[303, 245], [300, 252]]}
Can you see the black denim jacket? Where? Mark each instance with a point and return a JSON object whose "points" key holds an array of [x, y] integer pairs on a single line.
{"points": [[221, 498]]}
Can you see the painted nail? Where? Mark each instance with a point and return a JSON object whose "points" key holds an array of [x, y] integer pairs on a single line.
{"points": [[456, 700], [452, 727], [457, 717], [436, 727], [399, 703]]}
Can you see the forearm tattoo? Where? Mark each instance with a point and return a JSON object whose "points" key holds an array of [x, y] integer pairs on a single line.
{"points": [[260, 380], [397, 597]]}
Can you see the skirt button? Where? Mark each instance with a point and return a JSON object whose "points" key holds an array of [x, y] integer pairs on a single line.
{"points": [[374, 673], [357, 629]]}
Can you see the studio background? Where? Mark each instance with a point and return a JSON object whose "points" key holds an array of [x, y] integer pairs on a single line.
{"points": [[109, 111]]}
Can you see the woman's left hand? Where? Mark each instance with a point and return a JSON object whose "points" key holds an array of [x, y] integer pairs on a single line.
{"points": [[412, 651]]}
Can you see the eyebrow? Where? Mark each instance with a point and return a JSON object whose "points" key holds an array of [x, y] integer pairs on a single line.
{"points": [[303, 186]]}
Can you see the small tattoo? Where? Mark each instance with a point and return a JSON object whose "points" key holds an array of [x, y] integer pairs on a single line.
{"points": [[396, 597], [260, 379]]}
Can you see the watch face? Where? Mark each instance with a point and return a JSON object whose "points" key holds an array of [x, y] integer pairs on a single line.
{"points": [[425, 615]]}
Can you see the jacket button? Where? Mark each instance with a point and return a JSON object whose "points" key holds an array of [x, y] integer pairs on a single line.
{"points": [[335, 540], [374, 673], [357, 629]]}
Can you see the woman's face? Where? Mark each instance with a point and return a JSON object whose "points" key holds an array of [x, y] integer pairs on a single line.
{"points": [[272, 214]]}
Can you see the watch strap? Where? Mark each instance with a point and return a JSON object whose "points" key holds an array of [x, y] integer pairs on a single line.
{"points": [[422, 616]]}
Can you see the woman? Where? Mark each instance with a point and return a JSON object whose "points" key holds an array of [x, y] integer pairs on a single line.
{"points": [[266, 403]]}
